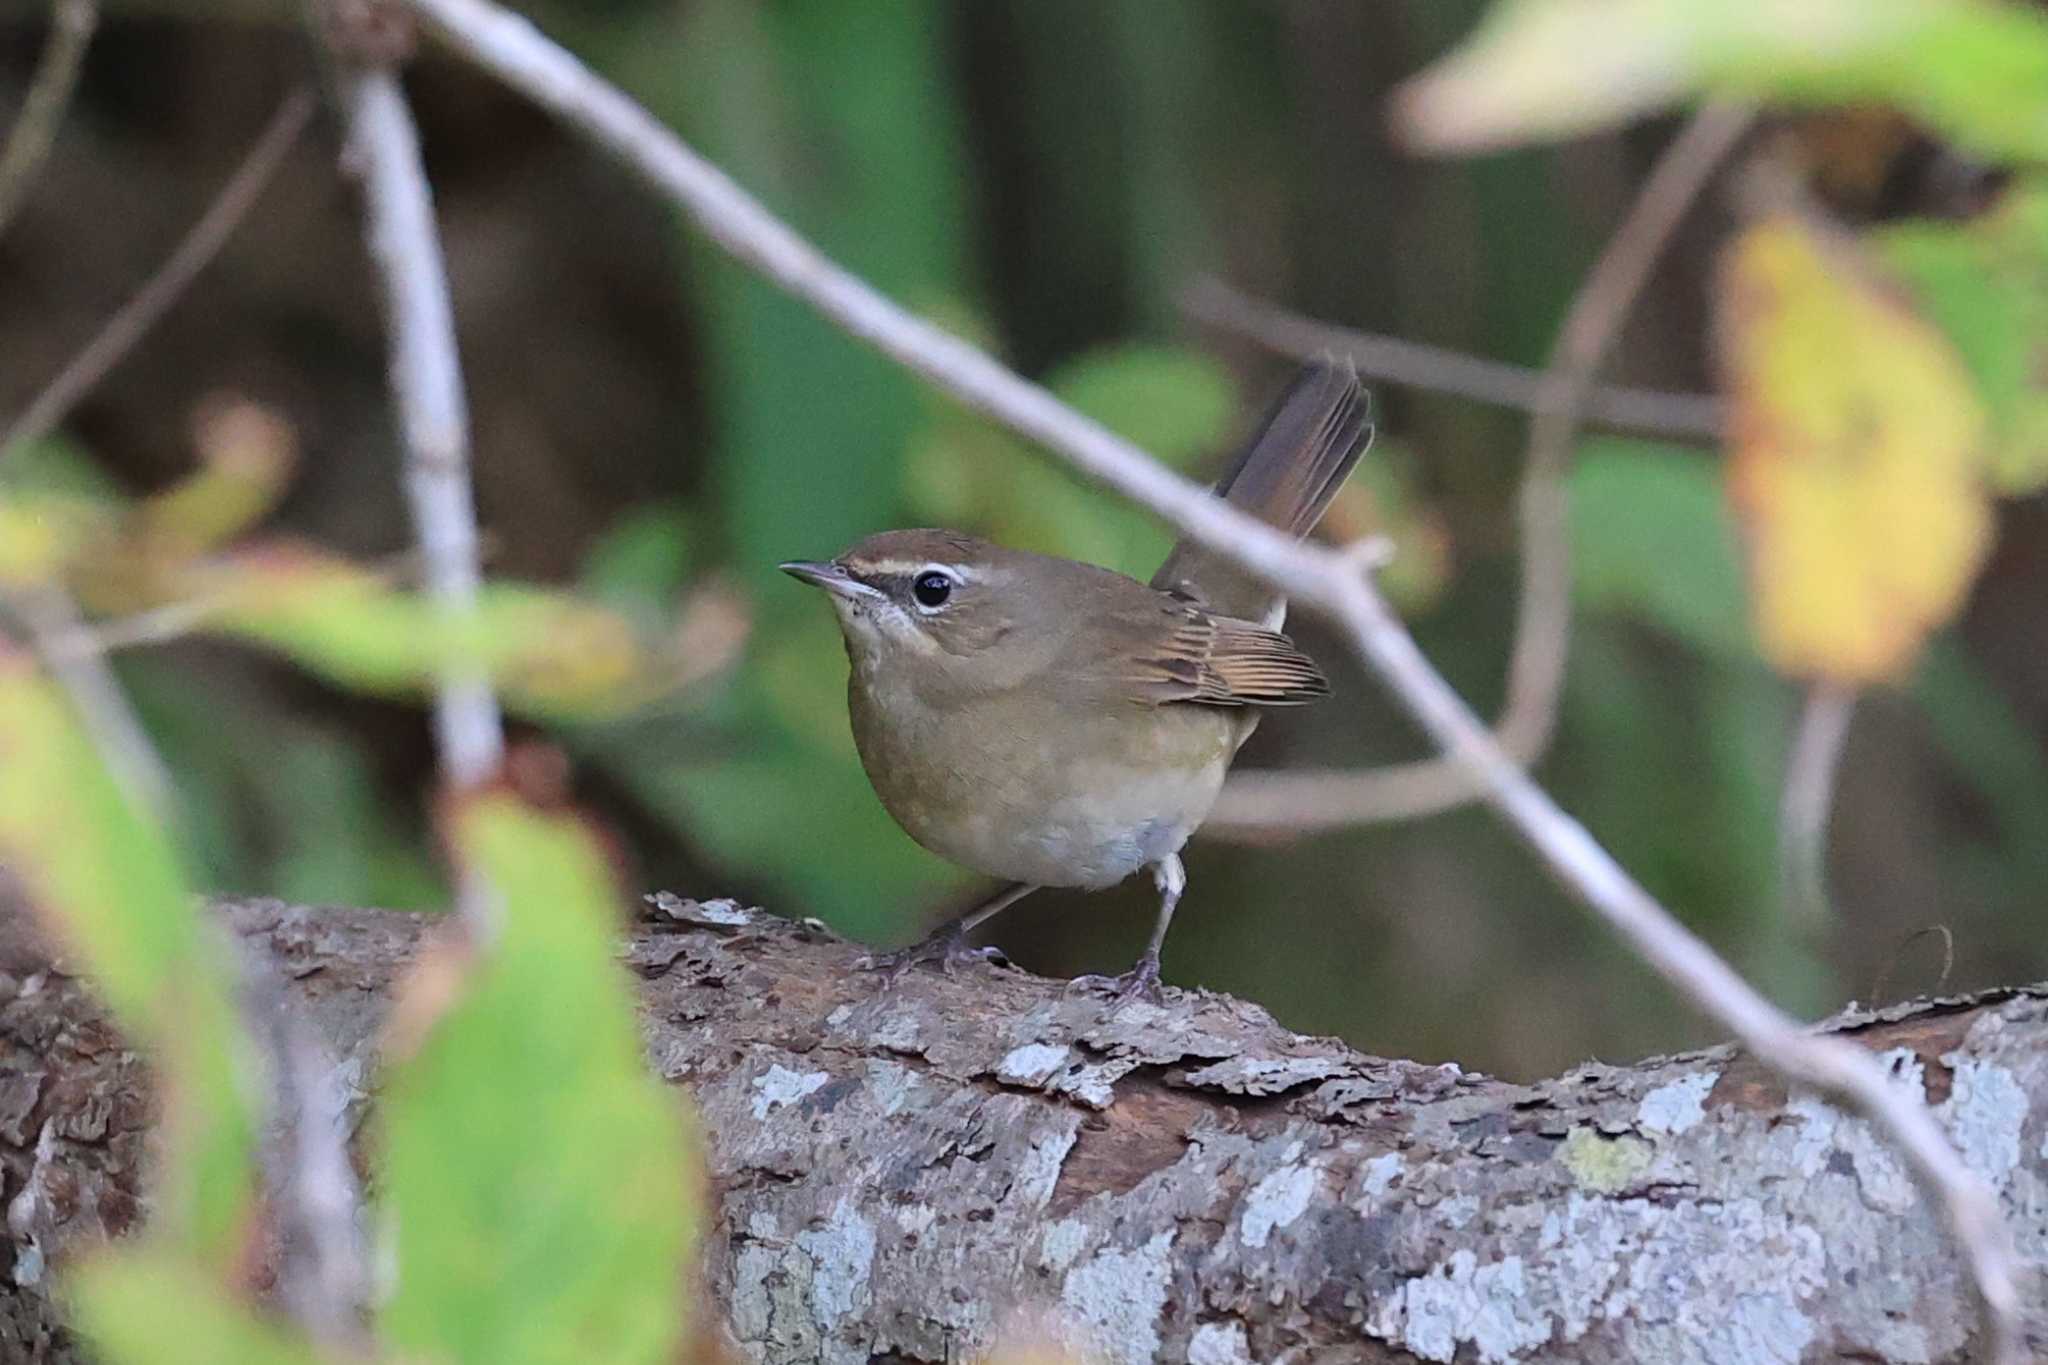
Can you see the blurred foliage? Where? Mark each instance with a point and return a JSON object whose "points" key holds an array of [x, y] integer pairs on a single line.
{"points": [[1977, 70], [149, 1304], [538, 1180], [544, 1221], [1985, 284], [106, 883]]}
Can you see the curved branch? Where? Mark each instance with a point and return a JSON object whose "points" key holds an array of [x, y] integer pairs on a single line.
{"points": [[1323, 580], [1438, 369], [149, 303], [49, 93]]}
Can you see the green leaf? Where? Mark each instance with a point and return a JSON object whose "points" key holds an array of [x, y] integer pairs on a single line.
{"points": [[1171, 401], [335, 839], [1985, 284], [106, 882], [534, 1170], [1973, 70], [1652, 537], [150, 1306], [55, 466], [638, 566]]}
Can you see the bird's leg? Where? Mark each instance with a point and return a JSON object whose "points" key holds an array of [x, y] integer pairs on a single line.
{"points": [[947, 945], [1141, 982]]}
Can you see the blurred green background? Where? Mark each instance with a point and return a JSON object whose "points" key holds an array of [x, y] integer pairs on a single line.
{"points": [[1047, 177]]}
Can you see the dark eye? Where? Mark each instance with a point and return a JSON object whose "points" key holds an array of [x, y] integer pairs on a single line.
{"points": [[932, 589]]}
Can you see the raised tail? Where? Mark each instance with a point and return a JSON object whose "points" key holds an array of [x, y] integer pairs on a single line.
{"points": [[1285, 476]]}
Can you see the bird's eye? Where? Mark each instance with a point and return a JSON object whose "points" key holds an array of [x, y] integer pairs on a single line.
{"points": [[931, 590]]}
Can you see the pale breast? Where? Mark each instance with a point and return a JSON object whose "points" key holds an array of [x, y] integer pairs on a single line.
{"points": [[1055, 797]]}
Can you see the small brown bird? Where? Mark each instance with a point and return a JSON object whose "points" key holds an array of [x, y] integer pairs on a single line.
{"points": [[1051, 723]]}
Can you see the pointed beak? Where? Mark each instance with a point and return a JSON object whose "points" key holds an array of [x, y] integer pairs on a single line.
{"points": [[827, 575]]}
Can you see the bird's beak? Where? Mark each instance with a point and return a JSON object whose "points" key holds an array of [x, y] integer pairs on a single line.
{"points": [[827, 575]]}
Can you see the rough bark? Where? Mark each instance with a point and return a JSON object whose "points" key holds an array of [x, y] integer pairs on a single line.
{"points": [[896, 1172]]}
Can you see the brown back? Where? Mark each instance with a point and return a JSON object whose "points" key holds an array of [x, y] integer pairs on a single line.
{"points": [[1285, 476]]}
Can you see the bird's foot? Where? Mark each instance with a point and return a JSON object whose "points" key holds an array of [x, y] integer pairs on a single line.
{"points": [[948, 947], [1141, 982]]}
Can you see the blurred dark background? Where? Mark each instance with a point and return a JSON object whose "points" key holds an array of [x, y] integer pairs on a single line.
{"points": [[1048, 177]]}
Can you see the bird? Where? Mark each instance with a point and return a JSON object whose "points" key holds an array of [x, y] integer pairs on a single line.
{"points": [[1050, 723]]}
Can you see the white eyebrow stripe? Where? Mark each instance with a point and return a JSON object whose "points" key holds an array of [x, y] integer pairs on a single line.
{"points": [[910, 568]]}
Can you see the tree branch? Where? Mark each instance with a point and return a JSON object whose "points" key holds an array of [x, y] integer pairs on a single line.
{"points": [[894, 1174], [1438, 369], [49, 92], [426, 382], [1325, 580]]}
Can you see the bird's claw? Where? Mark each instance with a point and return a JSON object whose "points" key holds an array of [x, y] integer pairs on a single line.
{"points": [[949, 949], [1141, 982]]}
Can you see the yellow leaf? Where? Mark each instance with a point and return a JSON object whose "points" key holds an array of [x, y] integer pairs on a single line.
{"points": [[1857, 466]]}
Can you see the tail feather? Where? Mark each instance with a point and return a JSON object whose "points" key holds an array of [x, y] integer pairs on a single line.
{"points": [[1286, 476]]}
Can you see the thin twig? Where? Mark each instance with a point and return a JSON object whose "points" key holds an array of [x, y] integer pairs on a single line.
{"points": [[156, 626], [1591, 327], [87, 678], [1301, 802], [426, 382], [49, 94], [1438, 369], [1809, 795], [1322, 579], [148, 305]]}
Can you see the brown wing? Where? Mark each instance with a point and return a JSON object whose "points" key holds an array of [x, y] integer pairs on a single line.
{"points": [[1192, 656]]}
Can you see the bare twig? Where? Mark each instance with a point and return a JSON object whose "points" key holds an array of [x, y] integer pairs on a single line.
{"points": [[87, 678], [1536, 670], [49, 92], [1323, 579], [149, 303], [157, 626], [1880, 987], [1413, 364], [1808, 796], [426, 381], [1299, 802]]}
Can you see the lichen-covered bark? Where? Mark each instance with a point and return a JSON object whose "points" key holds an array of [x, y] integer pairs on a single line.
{"points": [[897, 1171]]}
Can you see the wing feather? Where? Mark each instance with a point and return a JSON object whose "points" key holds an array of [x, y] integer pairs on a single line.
{"points": [[1220, 661]]}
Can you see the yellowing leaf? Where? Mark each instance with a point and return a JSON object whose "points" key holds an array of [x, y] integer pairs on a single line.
{"points": [[1975, 70], [550, 653], [1857, 458], [247, 453]]}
